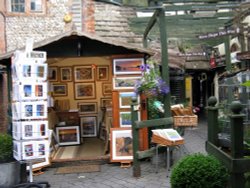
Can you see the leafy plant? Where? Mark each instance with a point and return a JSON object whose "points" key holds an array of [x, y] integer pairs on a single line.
{"points": [[199, 171], [6, 148], [151, 84]]}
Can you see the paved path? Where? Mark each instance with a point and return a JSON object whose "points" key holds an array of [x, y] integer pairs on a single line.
{"points": [[113, 176]]}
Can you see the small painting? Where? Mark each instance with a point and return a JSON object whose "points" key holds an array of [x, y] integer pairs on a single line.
{"points": [[87, 107], [127, 66], [106, 88], [53, 74], [85, 91], [88, 126], [125, 99], [102, 73], [65, 74], [84, 73], [125, 82], [59, 90]]}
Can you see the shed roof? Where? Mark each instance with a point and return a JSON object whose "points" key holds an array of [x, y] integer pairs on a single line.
{"points": [[93, 37]]}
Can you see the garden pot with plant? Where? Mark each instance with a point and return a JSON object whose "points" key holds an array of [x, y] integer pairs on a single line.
{"points": [[9, 167], [199, 170]]}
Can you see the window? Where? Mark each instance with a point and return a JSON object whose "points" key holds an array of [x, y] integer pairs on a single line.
{"points": [[26, 6], [17, 5], [36, 5]]}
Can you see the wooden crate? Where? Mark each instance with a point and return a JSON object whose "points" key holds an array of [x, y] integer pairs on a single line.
{"points": [[160, 140], [185, 121]]}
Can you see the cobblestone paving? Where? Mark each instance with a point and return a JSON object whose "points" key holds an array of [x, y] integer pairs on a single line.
{"points": [[113, 176]]}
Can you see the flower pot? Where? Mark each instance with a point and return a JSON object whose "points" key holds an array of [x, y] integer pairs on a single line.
{"points": [[9, 174]]}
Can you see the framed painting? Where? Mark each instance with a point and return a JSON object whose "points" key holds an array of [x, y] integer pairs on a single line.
{"points": [[59, 90], [65, 74], [106, 102], [102, 73], [125, 99], [88, 126], [106, 88], [125, 82], [127, 66], [125, 119], [121, 144], [53, 74], [85, 91], [68, 135], [87, 107], [84, 73]]}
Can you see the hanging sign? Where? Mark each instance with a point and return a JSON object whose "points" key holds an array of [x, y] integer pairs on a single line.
{"points": [[219, 33]]}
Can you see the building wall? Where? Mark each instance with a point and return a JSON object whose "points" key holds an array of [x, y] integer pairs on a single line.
{"points": [[2, 34], [39, 27]]}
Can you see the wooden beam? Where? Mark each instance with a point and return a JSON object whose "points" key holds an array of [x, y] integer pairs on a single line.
{"points": [[154, 122]]}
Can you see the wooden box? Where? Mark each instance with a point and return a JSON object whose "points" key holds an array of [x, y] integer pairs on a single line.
{"points": [[160, 140], [185, 121]]}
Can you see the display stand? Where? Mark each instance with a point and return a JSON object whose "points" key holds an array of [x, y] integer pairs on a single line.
{"points": [[29, 107], [166, 138]]}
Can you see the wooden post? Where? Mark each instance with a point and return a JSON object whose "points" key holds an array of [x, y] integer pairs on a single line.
{"points": [[135, 134], [213, 128], [164, 60], [236, 121]]}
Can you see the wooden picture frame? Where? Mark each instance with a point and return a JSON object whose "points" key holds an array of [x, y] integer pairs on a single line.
{"points": [[53, 74], [106, 88], [125, 82], [125, 99], [68, 135], [65, 74], [85, 91], [102, 73], [121, 144], [59, 90], [127, 66], [88, 126], [106, 102], [87, 107], [85, 73]]}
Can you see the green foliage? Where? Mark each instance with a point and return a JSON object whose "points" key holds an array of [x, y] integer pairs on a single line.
{"points": [[199, 171], [6, 148]]}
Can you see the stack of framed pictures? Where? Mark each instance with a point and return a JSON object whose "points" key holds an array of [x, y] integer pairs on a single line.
{"points": [[127, 73], [29, 102]]}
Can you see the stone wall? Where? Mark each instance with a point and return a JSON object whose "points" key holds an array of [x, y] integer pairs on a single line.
{"points": [[39, 27], [2, 34]]}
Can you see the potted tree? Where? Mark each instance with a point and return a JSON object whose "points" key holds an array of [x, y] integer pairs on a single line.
{"points": [[10, 168]]}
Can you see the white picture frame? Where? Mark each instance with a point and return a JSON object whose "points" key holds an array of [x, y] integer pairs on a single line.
{"points": [[127, 66], [125, 99], [125, 82], [69, 135]]}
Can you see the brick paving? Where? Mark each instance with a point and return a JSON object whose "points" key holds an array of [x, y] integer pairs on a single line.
{"points": [[112, 175]]}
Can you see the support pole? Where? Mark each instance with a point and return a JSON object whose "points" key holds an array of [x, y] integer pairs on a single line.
{"points": [[237, 147], [135, 134], [213, 128]]}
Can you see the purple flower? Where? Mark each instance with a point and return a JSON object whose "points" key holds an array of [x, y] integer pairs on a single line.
{"points": [[144, 67]]}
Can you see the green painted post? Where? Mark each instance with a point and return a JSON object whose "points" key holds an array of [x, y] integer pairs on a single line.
{"points": [[237, 147], [213, 128], [135, 134], [164, 59]]}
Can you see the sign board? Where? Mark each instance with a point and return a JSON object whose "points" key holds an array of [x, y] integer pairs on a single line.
{"points": [[219, 33]]}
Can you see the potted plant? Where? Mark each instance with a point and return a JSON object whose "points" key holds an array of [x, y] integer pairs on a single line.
{"points": [[10, 168], [199, 170]]}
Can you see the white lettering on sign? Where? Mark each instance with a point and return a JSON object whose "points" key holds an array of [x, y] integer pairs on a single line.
{"points": [[219, 33]]}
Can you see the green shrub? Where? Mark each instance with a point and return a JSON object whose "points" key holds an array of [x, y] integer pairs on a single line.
{"points": [[199, 171], [6, 146]]}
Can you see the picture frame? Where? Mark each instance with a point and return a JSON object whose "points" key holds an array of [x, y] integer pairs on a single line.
{"points": [[125, 82], [65, 74], [85, 91], [125, 99], [84, 73], [106, 102], [59, 90], [53, 74], [88, 126], [68, 135], [102, 73], [106, 88], [127, 66], [125, 118], [121, 144], [87, 107]]}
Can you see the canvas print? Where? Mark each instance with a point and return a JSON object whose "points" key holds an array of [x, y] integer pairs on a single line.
{"points": [[121, 144]]}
